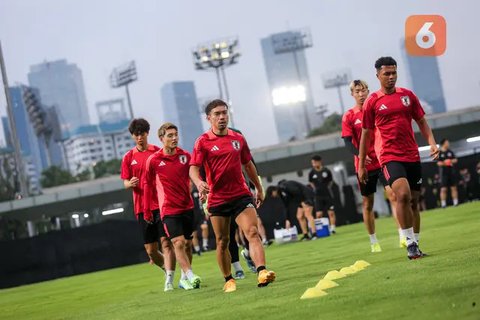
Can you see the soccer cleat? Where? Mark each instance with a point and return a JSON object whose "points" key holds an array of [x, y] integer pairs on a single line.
{"points": [[376, 247], [305, 237], [239, 275], [402, 243], [314, 238], [265, 277], [422, 253], [249, 261], [185, 284], [413, 251], [168, 286], [205, 248], [230, 286], [195, 281]]}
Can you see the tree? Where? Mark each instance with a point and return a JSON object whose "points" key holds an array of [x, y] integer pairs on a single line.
{"points": [[333, 123], [56, 176], [107, 168], [7, 180]]}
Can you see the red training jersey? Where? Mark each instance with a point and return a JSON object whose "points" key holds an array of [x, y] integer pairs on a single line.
{"points": [[133, 165], [392, 114], [169, 175], [223, 157], [352, 127]]}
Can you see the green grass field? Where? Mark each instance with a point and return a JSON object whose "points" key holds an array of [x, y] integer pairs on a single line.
{"points": [[445, 285]]}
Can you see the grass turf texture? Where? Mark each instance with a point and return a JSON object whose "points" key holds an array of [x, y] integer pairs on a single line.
{"points": [[445, 285]]}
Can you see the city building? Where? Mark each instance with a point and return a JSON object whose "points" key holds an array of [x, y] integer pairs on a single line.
{"points": [[61, 85], [180, 106]]}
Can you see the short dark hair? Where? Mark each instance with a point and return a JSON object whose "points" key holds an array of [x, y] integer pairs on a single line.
{"points": [[139, 126], [442, 142], [317, 157], [385, 61], [164, 127], [213, 104]]}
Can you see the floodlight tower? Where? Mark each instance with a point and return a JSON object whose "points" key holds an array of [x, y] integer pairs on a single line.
{"points": [[218, 55], [122, 76], [297, 40]]}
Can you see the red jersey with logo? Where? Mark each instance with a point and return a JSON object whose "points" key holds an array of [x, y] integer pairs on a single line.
{"points": [[392, 114], [352, 127], [133, 165], [169, 175], [223, 157]]}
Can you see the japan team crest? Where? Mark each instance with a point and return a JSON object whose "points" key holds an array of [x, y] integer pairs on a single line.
{"points": [[182, 158], [405, 100], [236, 144]]}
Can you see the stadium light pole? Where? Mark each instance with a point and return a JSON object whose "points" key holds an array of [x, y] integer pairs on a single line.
{"points": [[337, 79], [298, 40], [218, 55], [19, 165], [122, 76]]}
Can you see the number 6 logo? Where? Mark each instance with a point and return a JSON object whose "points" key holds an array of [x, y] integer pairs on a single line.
{"points": [[425, 35]]}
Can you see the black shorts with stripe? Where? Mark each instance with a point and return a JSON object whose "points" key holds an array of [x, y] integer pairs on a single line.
{"points": [[412, 171], [181, 224], [232, 208], [152, 232]]}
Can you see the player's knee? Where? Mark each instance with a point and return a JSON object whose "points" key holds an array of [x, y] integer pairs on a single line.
{"points": [[222, 242], [251, 232], [152, 252], [404, 197], [179, 243]]}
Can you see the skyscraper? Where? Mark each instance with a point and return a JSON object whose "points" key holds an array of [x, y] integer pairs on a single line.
{"points": [[61, 85], [287, 75], [180, 106], [424, 79]]}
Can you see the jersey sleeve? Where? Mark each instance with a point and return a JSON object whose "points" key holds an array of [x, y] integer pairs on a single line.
{"points": [[125, 172], [417, 110], [198, 154], [245, 155], [329, 177], [368, 120], [346, 126], [310, 176]]}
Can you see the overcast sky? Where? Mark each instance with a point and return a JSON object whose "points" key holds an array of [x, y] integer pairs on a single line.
{"points": [[159, 36]]}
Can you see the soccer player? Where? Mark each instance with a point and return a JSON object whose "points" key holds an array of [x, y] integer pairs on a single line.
{"points": [[321, 180], [446, 167], [390, 110], [167, 171], [223, 152], [299, 198], [133, 175], [351, 134]]}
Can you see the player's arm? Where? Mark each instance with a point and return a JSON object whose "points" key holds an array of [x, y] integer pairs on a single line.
{"points": [[362, 154], [252, 174], [349, 144], [428, 135], [454, 158], [126, 174], [202, 186], [148, 186]]}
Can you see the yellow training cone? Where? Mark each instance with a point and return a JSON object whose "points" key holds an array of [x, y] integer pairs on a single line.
{"points": [[356, 268], [334, 275], [313, 293], [347, 270], [326, 284], [361, 264]]}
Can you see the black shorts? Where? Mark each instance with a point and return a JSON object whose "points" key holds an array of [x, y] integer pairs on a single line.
{"points": [[151, 232], [323, 203], [371, 186], [412, 171], [199, 217], [178, 225], [448, 179], [232, 208]]}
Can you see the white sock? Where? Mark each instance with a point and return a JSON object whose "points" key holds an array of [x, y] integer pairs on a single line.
{"points": [[205, 242], [373, 238], [400, 234], [183, 275], [247, 253], [237, 266], [197, 248], [455, 202], [189, 274], [417, 237], [409, 236], [444, 203], [332, 227], [170, 275]]}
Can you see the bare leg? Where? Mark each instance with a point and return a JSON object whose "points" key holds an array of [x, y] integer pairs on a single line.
{"points": [[221, 227]]}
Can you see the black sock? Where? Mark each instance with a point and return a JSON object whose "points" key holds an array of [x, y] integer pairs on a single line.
{"points": [[261, 268], [229, 277]]}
